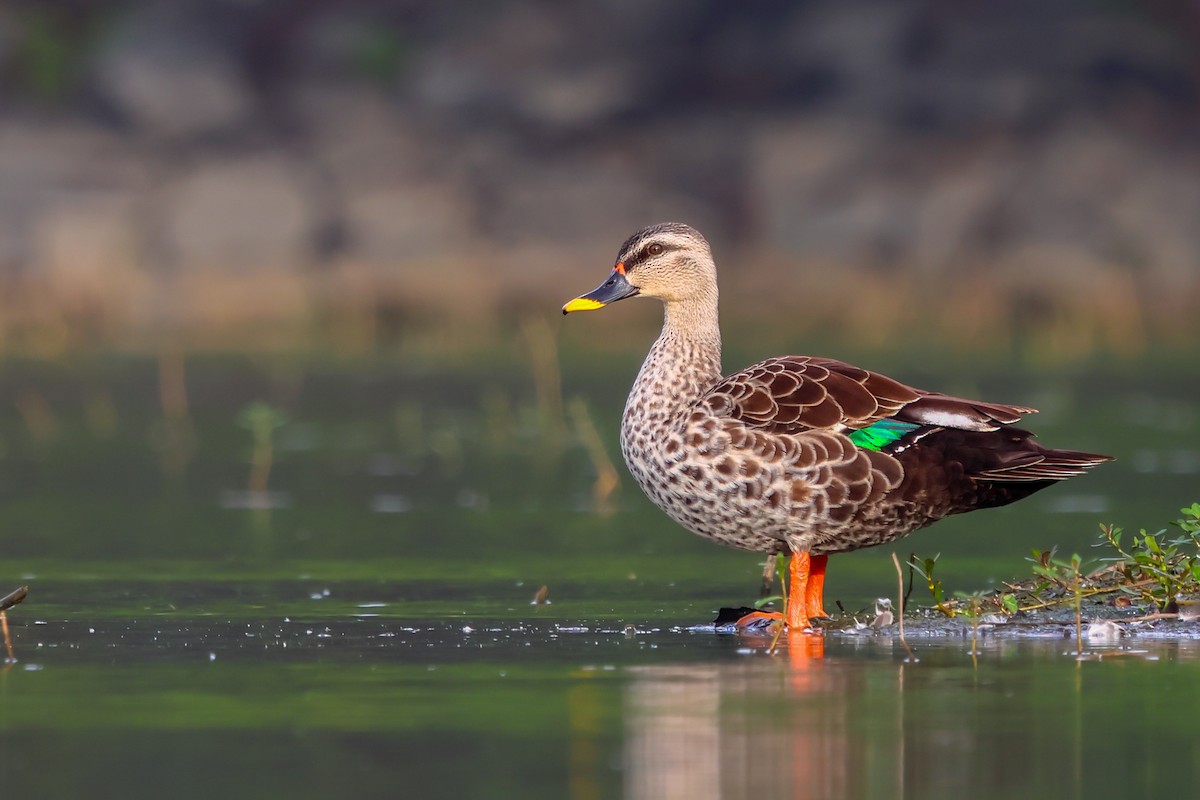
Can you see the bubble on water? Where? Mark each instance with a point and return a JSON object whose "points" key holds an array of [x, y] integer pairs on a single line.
{"points": [[1079, 504], [390, 504], [253, 501]]}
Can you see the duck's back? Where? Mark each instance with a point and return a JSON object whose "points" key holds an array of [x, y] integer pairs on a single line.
{"points": [[806, 453]]}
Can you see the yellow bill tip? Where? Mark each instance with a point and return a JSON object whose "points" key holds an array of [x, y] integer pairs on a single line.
{"points": [[582, 304]]}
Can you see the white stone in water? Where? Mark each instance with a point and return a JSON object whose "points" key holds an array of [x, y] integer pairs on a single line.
{"points": [[883, 613], [1104, 630], [1189, 610]]}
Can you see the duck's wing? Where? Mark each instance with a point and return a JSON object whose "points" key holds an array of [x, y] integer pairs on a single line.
{"points": [[793, 394]]}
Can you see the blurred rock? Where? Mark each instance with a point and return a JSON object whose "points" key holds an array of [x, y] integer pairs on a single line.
{"points": [[82, 244], [579, 201], [239, 213], [170, 74], [405, 224], [803, 172], [579, 98], [48, 173], [1008, 154], [522, 64]]}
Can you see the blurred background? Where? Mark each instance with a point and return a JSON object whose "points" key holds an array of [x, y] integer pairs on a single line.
{"points": [[294, 441], [358, 174], [308, 257]]}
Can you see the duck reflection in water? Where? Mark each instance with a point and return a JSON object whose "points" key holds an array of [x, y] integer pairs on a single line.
{"points": [[774, 727]]}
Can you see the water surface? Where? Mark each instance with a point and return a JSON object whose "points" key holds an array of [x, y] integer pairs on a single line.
{"points": [[364, 628]]}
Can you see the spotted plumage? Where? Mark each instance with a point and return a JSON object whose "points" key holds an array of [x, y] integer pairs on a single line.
{"points": [[797, 453]]}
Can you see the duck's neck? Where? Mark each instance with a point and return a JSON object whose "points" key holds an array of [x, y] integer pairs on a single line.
{"points": [[681, 366]]}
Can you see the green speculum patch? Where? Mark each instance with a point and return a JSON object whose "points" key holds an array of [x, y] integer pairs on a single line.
{"points": [[882, 433]]}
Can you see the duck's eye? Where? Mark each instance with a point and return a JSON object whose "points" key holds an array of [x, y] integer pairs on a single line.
{"points": [[655, 249]]}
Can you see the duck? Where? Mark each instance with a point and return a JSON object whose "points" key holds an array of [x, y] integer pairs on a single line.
{"points": [[799, 456]]}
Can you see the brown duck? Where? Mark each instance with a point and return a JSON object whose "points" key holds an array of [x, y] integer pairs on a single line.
{"points": [[798, 454]]}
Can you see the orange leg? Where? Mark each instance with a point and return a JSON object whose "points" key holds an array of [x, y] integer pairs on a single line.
{"points": [[806, 585], [814, 595], [799, 569]]}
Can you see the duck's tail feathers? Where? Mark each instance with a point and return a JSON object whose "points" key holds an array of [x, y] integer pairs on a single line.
{"points": [[1043, 464]]}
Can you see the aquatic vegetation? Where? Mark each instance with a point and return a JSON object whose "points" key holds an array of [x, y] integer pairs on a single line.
{"points": [[1151, 571], [1157, 568], [261, 419], [925, 568]]}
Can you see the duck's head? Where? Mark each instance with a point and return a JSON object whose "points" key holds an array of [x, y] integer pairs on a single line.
{"points": [[670, 261]]}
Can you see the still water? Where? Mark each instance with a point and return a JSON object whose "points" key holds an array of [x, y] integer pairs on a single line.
{"points": [[360, 624]]}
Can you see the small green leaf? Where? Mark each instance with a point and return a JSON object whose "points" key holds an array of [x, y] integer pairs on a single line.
{"points": [[1045, 572]]}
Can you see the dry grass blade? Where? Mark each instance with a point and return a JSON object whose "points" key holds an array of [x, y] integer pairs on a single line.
{"points": [[8, 601], [900, 610], [8, 648], [543, 357], [178, 434], [607, 478], [768, 577], [13, 598]]}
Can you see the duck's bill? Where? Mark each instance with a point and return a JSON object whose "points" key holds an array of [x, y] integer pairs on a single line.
{"points": [[614, 289]]}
